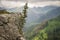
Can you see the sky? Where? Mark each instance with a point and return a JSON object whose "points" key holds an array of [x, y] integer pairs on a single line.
{"points": [[31, 3]]}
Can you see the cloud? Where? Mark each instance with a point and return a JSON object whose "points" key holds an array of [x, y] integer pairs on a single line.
{"points": [[31, 0], [45, 3], [12, 4]]}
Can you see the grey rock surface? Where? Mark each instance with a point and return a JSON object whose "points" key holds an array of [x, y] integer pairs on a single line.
{"points": [[9, 27]]}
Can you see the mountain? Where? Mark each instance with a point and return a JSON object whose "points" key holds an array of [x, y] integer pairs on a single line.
{"points": [[44, 17], [50, 14], [35, 18], [50, 32], [16, 9], [2, 8], [38, 14], [45, 9], [47, 30]]}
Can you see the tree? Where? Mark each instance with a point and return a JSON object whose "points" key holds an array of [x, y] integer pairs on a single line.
{"points": [[25, 10], [22, 18]]}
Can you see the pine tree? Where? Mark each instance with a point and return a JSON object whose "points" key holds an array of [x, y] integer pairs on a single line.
{"points": [[22, 18], [25, 10]]}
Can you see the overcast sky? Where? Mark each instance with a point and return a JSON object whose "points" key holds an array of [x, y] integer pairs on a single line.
{"points": [[32, 3], [31, 0]]}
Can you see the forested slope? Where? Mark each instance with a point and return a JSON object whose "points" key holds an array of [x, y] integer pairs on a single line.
{"points": [[47, 30], [50, 32]]}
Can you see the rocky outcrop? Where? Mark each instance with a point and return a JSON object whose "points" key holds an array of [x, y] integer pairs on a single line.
{"points": [[11, 27]]}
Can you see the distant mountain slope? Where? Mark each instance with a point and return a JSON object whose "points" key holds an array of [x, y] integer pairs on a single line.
{"points": [[35, 13], [45, 9], [34, 29], [16, 9], [35, 19], [50, 32], [50, 14], [2, 8]]}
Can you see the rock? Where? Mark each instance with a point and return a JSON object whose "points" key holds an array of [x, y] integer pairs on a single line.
{"points": [[9, 27]]}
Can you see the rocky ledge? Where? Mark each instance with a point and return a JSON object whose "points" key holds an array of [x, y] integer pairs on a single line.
{"points": [[11, 27]]}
